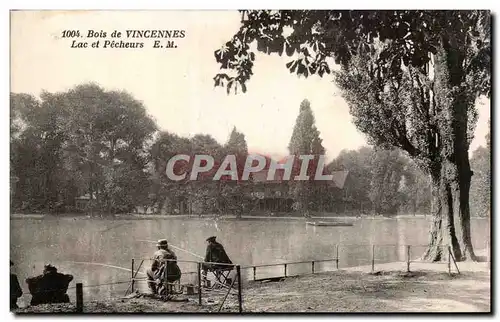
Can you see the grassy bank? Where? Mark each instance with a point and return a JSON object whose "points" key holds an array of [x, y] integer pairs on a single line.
{"points": [[352, 290]]}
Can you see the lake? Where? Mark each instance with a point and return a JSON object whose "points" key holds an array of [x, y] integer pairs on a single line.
{"points": [[94, 243]]}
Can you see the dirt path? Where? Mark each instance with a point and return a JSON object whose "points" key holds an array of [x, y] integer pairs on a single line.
{"points": [[363, 292], [341, 291], [427, 288]]}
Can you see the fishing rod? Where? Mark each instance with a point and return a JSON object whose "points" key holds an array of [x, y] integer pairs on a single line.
{"points": [[105, 265], [176, 247], [127, 269], [187, 251], [184, 250]]}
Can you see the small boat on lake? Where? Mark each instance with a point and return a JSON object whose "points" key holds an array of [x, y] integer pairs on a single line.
{"points": [[26, 216], [329, 223]]}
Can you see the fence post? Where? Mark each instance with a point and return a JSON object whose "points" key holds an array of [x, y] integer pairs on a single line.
{"points": [[285, 270], [133, 277], [408, 258], [337, 256], [449, 260], [312, 266], [373, 258], [79, 297], [254, 272], [240, 299], [199, 283]]}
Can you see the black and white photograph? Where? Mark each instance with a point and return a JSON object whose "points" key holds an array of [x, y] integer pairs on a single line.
{"points": [[250, 161]]}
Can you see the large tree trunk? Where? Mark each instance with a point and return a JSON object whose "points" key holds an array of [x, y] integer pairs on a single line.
{"points": [[442, 231], [450, 216], [462, 219], [462, 181], [452, 177]]}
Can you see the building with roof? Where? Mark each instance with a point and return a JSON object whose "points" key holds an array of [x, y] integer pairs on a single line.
{"points": [[259, 194], [275, 195]]}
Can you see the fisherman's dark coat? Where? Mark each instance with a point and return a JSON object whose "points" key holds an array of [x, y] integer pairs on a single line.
{"points": [[50, 287], [216, 254]]}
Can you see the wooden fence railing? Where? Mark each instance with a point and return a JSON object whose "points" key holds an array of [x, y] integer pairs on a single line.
{"points": [[238, 268]]}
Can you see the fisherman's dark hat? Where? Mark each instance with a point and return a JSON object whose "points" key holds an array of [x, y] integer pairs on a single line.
{"points": [[162, 242], [49, 268], [211, 239]]}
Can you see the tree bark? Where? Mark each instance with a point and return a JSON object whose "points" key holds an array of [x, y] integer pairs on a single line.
{"points": [[451, 176], [462, 188], [463, 221], [450, 218], [442, 231]]}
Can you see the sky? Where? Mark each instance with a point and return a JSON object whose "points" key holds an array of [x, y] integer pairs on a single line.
{"points": [[176, 84]]}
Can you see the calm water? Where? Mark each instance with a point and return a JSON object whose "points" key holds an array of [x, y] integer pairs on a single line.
{"points": [[93, 242]]}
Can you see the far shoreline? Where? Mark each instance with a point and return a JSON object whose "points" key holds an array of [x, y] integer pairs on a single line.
{"points": [[292, 217]]}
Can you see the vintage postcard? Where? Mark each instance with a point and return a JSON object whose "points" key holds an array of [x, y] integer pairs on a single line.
{"points": [[250, 161]]}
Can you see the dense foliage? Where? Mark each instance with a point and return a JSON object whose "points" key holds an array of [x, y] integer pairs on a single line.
{"points": [[410, 78], [481, 181], [86, 141], [107, 148]]}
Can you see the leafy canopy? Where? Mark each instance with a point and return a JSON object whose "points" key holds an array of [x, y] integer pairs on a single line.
{"points": [[314, 37], [387, 60]]}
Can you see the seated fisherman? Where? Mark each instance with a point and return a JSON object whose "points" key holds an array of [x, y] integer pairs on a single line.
{"points": [[215, 253], [163, 258], [50, 287]]}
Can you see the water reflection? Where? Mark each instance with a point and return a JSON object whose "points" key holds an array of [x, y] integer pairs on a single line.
{"points": [[250, 242]]}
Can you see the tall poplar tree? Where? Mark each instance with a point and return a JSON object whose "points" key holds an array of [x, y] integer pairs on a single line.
{"points": [[305, 140]]}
